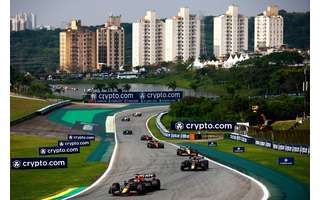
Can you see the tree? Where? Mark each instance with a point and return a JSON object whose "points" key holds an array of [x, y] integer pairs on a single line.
{"points": [[194, 86], [99, 86], [231, 90], [113, 85], [172, 85], [126, 87], [127, 68]]}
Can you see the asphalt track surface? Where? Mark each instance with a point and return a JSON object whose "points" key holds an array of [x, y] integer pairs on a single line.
{"points": [[134, 157]]}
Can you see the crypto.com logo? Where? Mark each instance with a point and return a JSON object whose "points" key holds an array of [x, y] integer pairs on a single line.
{"points": [[142, 95], [16, 164], [179, 126]]}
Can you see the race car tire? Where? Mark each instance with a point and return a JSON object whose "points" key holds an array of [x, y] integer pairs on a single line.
{"points": [[115, 187], [148, 185], [149, 145], [156, 184], [141, 189], [161, 145], [178, 152]]}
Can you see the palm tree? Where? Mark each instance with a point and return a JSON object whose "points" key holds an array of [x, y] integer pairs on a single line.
{"points": [[126, 87], [172, 85], [113, 85], [99, 86]]}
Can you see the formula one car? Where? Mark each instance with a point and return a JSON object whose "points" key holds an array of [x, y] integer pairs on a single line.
{"points": [[195, 163], [137, 114], [140, 184], [155, 144], [186, 151], [146, 137], [127, 132], [125, 119]]}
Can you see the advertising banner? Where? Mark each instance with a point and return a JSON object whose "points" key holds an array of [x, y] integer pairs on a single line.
{"points": [[39, 163], [81, 137], [286, 161], [238, 149], [202, 125], [212, 144], [137, 97], [58, 150], [71, 143]]}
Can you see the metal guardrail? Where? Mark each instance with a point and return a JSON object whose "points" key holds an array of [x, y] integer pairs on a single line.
{"points": [[52, 107], [41, 111]]}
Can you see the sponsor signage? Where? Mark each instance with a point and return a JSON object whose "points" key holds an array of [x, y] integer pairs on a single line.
{"points": [[81, 137], [39, 163], [212, 143], [238, 149], [137, 97], [58, 150], [202, 125], [243, 138], [286, 161], [71, 143]]}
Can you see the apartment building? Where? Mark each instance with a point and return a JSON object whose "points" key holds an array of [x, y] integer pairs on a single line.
{"points": [[110, 44], [23, 21], [77, 49], [148, 42], [268, 31], [182, 36], [230, 33]]}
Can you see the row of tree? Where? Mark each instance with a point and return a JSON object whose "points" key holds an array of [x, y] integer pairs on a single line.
{"points": [[26, 84], [237, 108]]}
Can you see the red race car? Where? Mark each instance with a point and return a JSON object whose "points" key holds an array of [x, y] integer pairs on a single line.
{"points": [[155, 144], [146, 137], [140, 184]]}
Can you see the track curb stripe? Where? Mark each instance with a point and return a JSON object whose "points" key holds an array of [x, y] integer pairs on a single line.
{"points": [[264, 189], [65, 193]]}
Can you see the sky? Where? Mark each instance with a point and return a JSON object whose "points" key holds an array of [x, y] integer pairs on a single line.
{"points": [[95, 12]]}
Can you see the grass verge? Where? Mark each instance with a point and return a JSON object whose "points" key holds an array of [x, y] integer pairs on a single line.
{"points": [[20, 107], [261, 155], [40, 183]]}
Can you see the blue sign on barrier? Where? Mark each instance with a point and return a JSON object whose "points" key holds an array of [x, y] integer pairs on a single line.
{"points": [[81, 137], [238, 149], [58, 150], [39, 163], [137, 97], [212, 143], [202, 125], [71, 143], [286, 161]]}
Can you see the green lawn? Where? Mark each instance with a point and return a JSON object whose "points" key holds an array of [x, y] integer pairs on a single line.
{"points": [[283, 125], [40, 183], [269, 158], [20, 107], [261, 155]]}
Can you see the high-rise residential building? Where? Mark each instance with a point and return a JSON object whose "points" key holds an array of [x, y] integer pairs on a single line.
{"points": [[182, 38], [23, 21], [148, 42], [230, 33], [77, 49], [268, 29], [110, 44]]}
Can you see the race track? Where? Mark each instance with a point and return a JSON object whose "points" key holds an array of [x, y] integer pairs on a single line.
{"points": [[134, 157]]}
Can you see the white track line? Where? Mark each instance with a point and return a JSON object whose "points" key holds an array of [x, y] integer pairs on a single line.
{"points": [[266, 193], [112, 160]]}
